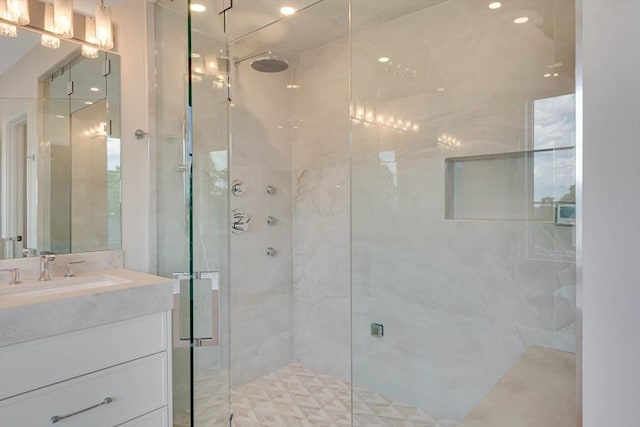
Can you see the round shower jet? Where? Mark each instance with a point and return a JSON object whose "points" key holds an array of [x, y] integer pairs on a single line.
{"points": [[267, 62]]}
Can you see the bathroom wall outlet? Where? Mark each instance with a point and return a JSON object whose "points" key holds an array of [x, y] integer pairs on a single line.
{"points": [[377, 330]]}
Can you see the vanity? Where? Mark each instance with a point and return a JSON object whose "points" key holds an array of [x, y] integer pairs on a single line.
{"points": [[90, 350]]}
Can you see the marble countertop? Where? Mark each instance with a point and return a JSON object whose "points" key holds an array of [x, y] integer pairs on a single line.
{"points": [[33, 309]]}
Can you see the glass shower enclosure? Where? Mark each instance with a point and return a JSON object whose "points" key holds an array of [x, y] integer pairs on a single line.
{"points": [[367, 207]]}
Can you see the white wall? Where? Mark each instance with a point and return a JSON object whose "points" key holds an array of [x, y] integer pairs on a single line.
{"points": [[21, 80], [611, 206], [131, 36]]}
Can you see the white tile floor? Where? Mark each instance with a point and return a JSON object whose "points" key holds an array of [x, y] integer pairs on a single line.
{"points": [[298, 397]]}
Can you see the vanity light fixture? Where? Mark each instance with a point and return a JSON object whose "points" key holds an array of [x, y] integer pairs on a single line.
{"points": [[6, 30], [58, 23], [90, 36], [63, 18], [287, 10], [104, 30], [47, 40], [18, 11]]}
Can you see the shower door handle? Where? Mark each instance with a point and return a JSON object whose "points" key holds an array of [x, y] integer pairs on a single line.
{"points": [[206, 319], [181, 147]]}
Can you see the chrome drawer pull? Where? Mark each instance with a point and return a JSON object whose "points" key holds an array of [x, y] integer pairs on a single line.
{"points": [[57, 418]]}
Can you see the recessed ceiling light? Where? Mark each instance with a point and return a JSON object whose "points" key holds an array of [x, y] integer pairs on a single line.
{"points": [[197, 7], [495, 5], [195, 55], [555, 74], [548, 75], [521, 20], [441, 89], [88, 103], [287, 10], [59, 116], [94, 89], [383, 59], [293, 86]]}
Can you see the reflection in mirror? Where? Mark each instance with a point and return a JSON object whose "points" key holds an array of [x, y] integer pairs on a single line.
{"points": [[59, 148]]}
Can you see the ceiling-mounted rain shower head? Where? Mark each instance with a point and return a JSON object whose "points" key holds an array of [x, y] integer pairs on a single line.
{"points": [[269, 63]]}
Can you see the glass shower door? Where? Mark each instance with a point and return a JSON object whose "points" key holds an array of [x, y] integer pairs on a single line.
{"points": [[192, 156]]}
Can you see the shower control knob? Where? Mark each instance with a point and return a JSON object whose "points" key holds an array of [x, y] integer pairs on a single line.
{"points": [[237, 188], [271, 220], [239, 221], [271, 252], [271, 189]]}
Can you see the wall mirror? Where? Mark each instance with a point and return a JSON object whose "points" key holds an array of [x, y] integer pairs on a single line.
{"points": [[59, 148]]}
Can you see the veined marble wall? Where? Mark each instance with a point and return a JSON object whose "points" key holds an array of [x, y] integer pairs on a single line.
{"points": [[321, 210], [461, 301], [261, 285]]}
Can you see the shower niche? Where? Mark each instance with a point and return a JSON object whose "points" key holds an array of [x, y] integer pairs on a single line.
{"points": [[535, 185]]}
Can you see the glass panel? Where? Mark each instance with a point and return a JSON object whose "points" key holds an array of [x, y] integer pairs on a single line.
{"points": [[55, 155], [290, 162], [193, 227], [463, 172]]}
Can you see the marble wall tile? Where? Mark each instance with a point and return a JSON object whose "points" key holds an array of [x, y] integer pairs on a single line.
{"points": [[321, 210], [261, 286]]}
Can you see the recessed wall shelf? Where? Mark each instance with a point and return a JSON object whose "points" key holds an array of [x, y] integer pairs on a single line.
{"points": [[523, 185]]}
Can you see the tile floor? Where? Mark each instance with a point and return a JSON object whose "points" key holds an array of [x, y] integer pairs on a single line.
{"points": [[298, 397]]}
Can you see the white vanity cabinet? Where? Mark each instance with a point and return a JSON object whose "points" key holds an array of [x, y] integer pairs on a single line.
{"points": [[116, 374]]}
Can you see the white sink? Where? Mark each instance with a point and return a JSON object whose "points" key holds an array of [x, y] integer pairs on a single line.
{"points": [[58, 286]]}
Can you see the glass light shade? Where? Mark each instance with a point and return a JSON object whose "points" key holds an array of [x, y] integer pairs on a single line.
{"points": [[47, 40], [89, 52], [63, 18], [104, 31], [90, 36], [18, 11], [6, 30]]}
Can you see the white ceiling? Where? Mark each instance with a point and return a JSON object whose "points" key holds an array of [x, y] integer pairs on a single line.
{"points": [[317, 23]]}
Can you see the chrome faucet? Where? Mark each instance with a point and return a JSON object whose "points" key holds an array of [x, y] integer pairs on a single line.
{"points": [[15, 275], [70, 265], [45, 259]]}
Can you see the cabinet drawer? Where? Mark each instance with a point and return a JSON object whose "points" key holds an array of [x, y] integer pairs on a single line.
{"points": [[43, 362], [159, 418], [135, 388]]}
